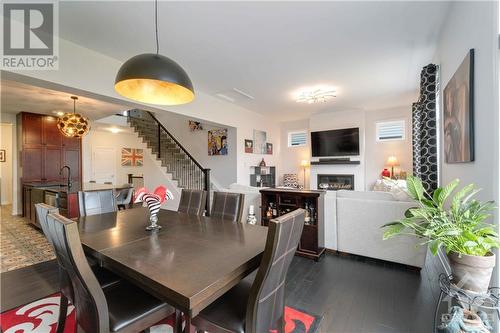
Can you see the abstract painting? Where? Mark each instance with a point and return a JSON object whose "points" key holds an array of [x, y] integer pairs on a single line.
{"points": [[259, 141], [217, 142], [195, 126], [248, 146], [132, 157], [458, 103]]}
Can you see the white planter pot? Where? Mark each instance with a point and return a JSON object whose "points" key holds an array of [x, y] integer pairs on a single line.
{"points": [[472, 272]]}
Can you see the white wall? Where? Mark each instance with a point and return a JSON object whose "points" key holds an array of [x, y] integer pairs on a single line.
{"points": [[290, 157], [6, 167], [223, 167], [116, 141], [154, 175], [475, 25], [9, 118], [373, 154], [376, 153], [93, 72]]}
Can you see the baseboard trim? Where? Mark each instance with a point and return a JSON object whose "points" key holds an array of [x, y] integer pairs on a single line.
{"points": [[373, 260]]}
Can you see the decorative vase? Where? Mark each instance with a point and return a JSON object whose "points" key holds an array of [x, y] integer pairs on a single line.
{"points": [[472, 273], [386, 173], [262, 163], [153, 222]]}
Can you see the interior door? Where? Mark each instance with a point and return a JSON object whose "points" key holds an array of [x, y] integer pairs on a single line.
{"points": [[103, 164]]}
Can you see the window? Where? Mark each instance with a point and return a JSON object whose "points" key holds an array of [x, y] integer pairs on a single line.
{"points": [[391, 130], [297, 139]]}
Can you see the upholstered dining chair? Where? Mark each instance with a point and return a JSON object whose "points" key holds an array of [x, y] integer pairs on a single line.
{"points": [[193, 202], [265, 297], [228, 206], [124, 197], [120, 308], [96, 202], [105, 277]]}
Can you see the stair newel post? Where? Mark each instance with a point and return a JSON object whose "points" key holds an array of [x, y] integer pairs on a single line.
{"points": [[159, 141], [207, 188]]}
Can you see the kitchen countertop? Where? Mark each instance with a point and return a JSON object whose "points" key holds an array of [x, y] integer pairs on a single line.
{"points": [[85, 187]]}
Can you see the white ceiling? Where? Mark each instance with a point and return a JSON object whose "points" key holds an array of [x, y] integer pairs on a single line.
{"points": [[17, 97], [371, 52]]}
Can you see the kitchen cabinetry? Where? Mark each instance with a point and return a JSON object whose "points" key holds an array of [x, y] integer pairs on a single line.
{"points": [[44, 150]]}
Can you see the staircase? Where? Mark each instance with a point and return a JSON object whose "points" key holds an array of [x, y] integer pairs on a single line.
{"points": [[185, 170]]}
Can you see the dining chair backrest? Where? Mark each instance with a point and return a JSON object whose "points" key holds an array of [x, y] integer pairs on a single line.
{"points": [[124, 196], [265, 306], [227, 206], [42, 210], [87, 296], [193, 202], [96, 202]]}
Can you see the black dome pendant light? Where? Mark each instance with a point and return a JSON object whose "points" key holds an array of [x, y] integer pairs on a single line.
{"points": [[153, 78]]}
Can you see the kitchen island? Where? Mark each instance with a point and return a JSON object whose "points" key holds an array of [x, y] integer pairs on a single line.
{"points": [[59, 195]]}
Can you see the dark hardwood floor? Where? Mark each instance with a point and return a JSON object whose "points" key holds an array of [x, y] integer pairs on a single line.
{"points": [[363, 295], [352, 295]]}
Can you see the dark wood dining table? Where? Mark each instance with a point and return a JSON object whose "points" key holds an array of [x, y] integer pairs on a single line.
{"points": [[190, 262]]}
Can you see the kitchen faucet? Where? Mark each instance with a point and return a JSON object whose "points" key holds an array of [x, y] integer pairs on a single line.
{"points": [[69, 174]]}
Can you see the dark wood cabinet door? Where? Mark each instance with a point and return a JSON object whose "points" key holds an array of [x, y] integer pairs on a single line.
{"points": [[72, 158], [51, 134], [32, 164], [32, 129], [52, 163], [71, 143], [27, 202], [309, 240]]}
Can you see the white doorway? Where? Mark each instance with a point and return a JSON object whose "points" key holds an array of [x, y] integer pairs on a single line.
{"points": [[103, 164]]}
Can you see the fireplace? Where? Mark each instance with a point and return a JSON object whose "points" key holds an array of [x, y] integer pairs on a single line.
{"points": [[336, 182]]}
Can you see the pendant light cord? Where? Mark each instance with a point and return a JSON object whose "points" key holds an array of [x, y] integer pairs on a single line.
{"points": [[156, 27]]}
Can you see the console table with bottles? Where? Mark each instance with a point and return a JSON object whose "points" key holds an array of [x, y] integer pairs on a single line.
{"points": [[277, 201]]}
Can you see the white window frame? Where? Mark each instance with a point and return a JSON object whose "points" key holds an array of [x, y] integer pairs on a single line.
{"points": [[379, 123], [290, 138]]}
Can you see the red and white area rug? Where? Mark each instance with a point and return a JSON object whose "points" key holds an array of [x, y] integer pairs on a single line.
{"points": [[41, 317]]}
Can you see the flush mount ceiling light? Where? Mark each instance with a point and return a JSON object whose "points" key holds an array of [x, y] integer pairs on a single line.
{"points": [[73, 125], [315, 95], [153, 78]]}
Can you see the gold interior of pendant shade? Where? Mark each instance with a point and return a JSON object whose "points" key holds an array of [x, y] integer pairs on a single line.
{"points": [[154, 91]]}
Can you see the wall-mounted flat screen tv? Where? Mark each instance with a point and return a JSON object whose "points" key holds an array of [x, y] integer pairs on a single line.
{"points": [[341, 142]]}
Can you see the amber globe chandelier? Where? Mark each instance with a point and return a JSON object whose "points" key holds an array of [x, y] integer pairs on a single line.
{"points": [[153, 78], [73, 125]]}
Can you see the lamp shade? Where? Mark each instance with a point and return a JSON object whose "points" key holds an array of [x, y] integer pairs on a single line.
{"points": [[155, 79], [392, 161], [304, 163]]}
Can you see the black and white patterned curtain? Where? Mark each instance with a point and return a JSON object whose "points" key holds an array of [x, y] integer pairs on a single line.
{"points": [[424, 126]]}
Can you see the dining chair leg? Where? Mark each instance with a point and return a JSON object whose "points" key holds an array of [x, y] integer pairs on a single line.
{"points": [[178, 322], [188, 328], [282, 323], [63, 311]]}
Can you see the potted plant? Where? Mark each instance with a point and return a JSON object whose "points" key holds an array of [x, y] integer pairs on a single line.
{"points": [[458, 225]]}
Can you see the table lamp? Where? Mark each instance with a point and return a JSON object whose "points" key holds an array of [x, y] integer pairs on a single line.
{"points": [[304, 164], [392, 161]]}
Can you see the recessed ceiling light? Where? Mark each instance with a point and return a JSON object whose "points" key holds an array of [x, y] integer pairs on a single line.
{"points": [[114, 130], [59, 113], [318, 94]]}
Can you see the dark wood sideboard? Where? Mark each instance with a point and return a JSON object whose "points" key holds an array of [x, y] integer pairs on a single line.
{"points": [[43, 151], [312, 242]]}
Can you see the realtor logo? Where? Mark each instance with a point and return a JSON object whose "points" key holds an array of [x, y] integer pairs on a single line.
{"points": [[29, 31]]}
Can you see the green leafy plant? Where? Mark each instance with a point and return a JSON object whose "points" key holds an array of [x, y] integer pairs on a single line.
{"points": [[457, 224]]}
